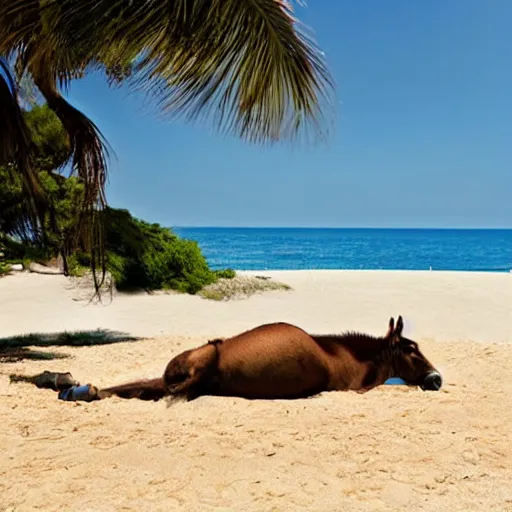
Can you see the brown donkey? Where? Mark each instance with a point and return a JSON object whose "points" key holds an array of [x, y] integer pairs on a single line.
{"points": [[282, 361]]}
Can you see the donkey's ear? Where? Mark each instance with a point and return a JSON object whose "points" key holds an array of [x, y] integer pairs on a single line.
{"points": [[399, 326], [391, 327]]}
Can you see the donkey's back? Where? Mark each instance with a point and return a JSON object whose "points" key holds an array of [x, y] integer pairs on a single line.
{"points": [[276, 360]]}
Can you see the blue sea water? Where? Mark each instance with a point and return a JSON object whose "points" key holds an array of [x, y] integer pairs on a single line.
{"points": [[318, 248]]}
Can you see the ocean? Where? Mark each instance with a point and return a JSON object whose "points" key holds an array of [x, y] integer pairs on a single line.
{"points": [[318, 248]]}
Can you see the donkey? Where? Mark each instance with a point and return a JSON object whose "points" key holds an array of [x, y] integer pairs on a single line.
{"points": [[282, 361]]}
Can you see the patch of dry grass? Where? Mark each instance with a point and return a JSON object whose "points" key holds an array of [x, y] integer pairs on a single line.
{"points": [[241, 287]]}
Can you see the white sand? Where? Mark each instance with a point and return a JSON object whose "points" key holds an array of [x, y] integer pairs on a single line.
{"points": [[440, 305], [389, 449]]}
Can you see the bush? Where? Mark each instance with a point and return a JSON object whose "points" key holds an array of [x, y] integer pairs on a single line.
{"points": [[148, 256], [139, 254], [225, 274], [4, 268], [78, 264]]}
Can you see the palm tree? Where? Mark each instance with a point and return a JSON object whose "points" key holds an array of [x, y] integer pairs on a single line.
{"points": [[243, 65]]}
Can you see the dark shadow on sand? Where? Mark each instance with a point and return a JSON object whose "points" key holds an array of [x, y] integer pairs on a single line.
{"points": [[14, 348], [14, 355]]}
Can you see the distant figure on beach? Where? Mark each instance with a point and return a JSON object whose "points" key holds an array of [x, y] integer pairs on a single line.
{"points": [[282, 361]]}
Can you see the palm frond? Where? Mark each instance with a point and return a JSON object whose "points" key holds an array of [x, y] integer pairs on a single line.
{"points": [[19, 22], [243, 65], [15, 149], [88, 156], [13, 128], [246, 66]]}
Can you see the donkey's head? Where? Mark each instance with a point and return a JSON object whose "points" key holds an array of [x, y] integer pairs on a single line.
{"points": [[408, 362]]}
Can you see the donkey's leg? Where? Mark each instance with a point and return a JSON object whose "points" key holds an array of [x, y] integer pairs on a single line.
{"points": [[192, 372], [152, 389]]}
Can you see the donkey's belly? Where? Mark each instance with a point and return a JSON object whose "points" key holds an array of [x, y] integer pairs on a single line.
{"points": [[289, 376]]}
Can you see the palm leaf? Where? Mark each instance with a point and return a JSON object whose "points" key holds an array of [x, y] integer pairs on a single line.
{"points": [[246, 66], [88, 157], [242, 65], [15, 151]]}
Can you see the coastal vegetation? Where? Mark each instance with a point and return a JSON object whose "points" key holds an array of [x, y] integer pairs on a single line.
{"points": [[138, 255], [244, 67], [241, 287]]}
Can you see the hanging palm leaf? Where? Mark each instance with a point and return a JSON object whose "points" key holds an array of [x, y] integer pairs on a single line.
{"points": [[15, 151]]}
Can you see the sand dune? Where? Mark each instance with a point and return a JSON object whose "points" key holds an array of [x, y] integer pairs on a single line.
{"points": [[393, 448]]}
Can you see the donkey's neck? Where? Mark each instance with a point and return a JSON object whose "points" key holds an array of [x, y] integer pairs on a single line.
{"points": [[386, 359], [363, 344], [365, 348], [382, 362]]}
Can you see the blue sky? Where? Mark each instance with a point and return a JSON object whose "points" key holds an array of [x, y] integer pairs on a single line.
{"points": [[423, 134]]}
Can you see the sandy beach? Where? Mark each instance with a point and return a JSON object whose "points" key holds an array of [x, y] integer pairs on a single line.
{"points": [[394, 448]]}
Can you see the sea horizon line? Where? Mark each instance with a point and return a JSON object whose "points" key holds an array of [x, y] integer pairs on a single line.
{"points": [[369, 228]]}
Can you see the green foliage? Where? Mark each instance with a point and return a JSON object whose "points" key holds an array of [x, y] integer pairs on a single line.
{"points": [[49, 138], [4, 268], [13, 211], [117, 265], [148, 256], [50, 146], [227, 273], [64, 194], [76, 266], [140, 255]]}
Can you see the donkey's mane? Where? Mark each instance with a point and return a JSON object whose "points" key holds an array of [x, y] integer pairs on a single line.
{"points": [[353, 337], [363, 346]]}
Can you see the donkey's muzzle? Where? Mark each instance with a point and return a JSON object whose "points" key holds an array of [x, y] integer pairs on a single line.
{"points": [[432, 382]]}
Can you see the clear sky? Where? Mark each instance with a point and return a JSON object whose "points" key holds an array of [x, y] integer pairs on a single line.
{"points": [[423, 134]]}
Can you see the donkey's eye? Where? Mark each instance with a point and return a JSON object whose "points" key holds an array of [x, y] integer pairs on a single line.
{"points": [[408, 350]]}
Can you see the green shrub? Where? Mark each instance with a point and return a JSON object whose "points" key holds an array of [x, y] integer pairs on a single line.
{"points": [[4, 268], [149, 256], [178, 265], [139, 254], [78, 264], [116, 266], [227, 273]]}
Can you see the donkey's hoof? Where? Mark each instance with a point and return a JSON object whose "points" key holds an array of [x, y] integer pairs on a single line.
{"points": [[86, 393], [54, 380]]}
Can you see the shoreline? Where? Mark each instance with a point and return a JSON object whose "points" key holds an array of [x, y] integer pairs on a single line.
{"points": [[376, 270]]}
